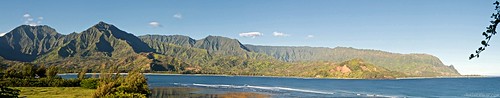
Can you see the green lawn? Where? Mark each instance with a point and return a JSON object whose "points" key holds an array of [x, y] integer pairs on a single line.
{"points": [[55, 92]]}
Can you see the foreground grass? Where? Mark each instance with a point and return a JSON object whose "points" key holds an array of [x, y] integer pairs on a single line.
{"points": [[174, 92], [55, 92]]}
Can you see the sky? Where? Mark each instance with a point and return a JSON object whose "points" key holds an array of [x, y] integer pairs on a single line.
{"points": [[448, 29]]}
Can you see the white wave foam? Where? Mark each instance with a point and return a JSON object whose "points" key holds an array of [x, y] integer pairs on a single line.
{"points": [[263, 87], [218, 86], [375, 95], [290, 89], [281, 89], [180, 84]]}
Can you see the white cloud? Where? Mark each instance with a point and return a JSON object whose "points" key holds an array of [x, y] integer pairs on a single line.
{"points": [[26, 15], [2, 34], [178, 16], [251, 34], [33, 24], [310, 36], [29, 20], [280, 34], [154, 24]]}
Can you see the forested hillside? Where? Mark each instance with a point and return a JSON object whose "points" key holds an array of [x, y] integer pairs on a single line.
{"points": [[104, 46], [411, 64]]}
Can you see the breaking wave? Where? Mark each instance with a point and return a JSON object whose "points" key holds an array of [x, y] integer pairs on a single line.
{"points": [[264, 88]]}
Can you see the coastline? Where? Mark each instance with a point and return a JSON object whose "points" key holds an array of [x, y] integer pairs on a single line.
{"points": [[447, 77], [298, 77], [223, 75]]}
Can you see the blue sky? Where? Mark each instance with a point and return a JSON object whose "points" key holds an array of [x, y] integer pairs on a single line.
{"points": [[448, 29]]}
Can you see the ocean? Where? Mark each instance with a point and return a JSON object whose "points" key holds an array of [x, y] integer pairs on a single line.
{"points": [[281, 87]]}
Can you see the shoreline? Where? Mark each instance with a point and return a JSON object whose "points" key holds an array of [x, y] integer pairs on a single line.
{"points": [[222, 75], [447, 77], [298, 77]]}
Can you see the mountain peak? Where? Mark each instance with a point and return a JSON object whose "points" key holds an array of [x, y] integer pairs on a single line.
{"points": [[218, 37], [33, 27], [222, 45], [26, 42], [39, 29], [103, 25], [106, 30]]}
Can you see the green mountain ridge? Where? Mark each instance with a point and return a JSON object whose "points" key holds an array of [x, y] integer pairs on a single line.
{"points": [[105, 46], [411, 64], [100, 40], [25, 43], [212, 45], [354, 68]]}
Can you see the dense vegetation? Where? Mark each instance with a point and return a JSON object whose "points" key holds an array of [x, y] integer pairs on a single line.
{"points": [[108, 85], [104, 46], [134, 85], [410, 64], [355, 68], [26, 75]]}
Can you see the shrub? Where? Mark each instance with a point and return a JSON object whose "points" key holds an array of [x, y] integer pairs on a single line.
{"points": [[70, 83], [81, 74], [41, 71], [16, 82], [20, 71], [8, 92], [135, 82], [104, 89], [51, 72], [133, 86], [90, 83]]}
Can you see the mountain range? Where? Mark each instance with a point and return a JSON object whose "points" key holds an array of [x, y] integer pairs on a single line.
{"points": [[105, 46]]}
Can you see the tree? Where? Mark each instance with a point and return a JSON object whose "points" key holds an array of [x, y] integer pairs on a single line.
{"points": [[11, 72], [104, 89], [81, 74], [41, 71], [27, 71], [51, 72], [135, 82], [90, 83], [490, 31], [21, 70], [134, 85]]}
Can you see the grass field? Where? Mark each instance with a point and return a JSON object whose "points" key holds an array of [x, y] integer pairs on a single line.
{"points": [[78, 92], [55, 92]]}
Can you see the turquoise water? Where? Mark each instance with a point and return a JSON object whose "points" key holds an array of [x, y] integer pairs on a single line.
{"points": [[306, 87]]}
